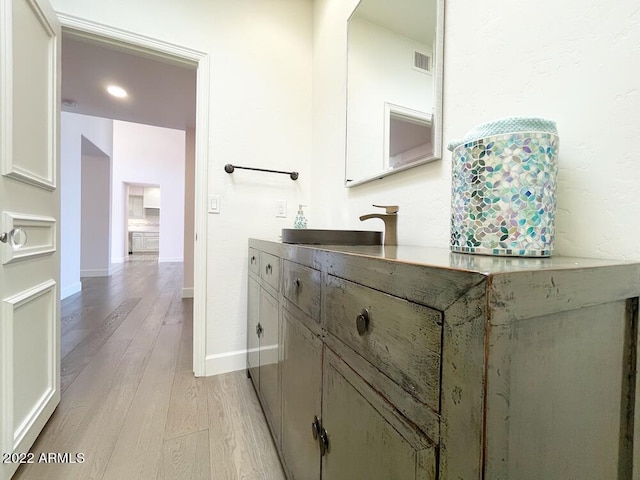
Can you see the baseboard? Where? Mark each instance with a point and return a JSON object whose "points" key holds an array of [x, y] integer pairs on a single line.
{"points": [[187, 292], [225, 362], [119, 260], [70, 290], [170, 259], [101, 272]]}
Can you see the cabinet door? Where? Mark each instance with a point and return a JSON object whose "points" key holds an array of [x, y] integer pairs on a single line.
{"points": [[367, 438], [151, 242], [253, 342], [135, 207], [151, 197], [269, 360], [301, 396], [138, 243]]}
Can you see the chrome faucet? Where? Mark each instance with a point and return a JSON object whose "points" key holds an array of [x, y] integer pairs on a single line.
{"points": [[390, 219]]}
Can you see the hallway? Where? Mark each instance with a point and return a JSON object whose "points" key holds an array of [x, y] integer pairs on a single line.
{"points": [[131, 407]]}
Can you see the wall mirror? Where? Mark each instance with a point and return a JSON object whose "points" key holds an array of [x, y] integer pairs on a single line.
{"points": [[394, 87]]}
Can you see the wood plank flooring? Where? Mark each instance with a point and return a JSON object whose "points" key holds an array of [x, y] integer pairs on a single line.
{"points": [[130, 402]]}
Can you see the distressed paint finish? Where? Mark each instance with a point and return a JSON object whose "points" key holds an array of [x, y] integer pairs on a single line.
{"points": [[301, 396], [463, 386], [301, 285], [368, 439], [553, 407], [403, 339], [538, 357]]}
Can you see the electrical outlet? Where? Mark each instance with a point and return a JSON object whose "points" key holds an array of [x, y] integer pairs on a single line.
{"points": [[214, 203], [281, 209]]}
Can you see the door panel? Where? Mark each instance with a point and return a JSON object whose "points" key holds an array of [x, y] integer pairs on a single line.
{"points": [[34, 344], [269, 359], [367, 438], [33, 88], [41, 235], [301, 396], [253, 341], [29, 276]]}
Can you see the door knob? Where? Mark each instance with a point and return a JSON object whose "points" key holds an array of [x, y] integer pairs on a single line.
{"points": [[16, 237]]}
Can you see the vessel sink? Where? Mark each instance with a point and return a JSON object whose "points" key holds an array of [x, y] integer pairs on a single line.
{"points": [[331, 237]]}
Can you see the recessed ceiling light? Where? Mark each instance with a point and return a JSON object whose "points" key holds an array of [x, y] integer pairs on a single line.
{"points": [[117, 91]]}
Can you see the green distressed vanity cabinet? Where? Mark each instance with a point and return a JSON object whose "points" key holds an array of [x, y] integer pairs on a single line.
{"points": [[417, 363]]}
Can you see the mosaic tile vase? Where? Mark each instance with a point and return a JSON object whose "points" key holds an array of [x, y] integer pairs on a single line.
{"points": [[503, 198]]}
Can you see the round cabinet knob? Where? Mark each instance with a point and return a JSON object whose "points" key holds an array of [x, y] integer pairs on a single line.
{"points": [[269, 268], [253, 259], [16, 237], [362, 322], [297, 283]]}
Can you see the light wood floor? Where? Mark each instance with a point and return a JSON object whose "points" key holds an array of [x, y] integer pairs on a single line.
{"points": [[130, 402]]}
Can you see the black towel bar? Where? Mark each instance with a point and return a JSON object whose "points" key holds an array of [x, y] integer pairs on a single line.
{"points": [[230, 168]]}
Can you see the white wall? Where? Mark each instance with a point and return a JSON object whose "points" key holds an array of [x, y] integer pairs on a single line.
{"points": [[570, 61], [95, 216], [99, 132], [154, 156]]}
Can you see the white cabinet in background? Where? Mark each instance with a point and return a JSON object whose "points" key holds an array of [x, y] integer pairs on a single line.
{"points": [[135, 206], [151, 242], [145, 242], [137, 242], [151, 197]]}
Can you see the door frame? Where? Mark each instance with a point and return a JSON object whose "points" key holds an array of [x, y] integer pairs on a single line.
{"points": [[159, 49]]}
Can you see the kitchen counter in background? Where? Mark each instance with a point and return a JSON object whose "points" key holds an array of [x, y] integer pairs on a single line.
{"points": [[144, 239], [144, 228]]}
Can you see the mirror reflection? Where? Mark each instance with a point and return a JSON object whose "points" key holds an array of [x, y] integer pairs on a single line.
{"points": [[394, 85]]}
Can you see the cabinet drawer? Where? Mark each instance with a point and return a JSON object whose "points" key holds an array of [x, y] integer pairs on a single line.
{"points": [[254, 261], [270, 269], [400, 338], [302, 288]]}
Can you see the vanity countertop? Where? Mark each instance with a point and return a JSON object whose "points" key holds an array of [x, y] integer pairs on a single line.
{"points": [[445, 259]]}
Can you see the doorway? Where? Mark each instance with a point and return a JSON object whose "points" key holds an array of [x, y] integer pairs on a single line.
{"points": [[163, 54], [142, 223]]}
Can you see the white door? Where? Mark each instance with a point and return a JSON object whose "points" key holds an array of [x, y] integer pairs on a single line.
{"points": [[29, 201]]}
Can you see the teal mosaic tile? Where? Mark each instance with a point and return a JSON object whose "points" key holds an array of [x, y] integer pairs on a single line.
{"points": [[503, 198]]}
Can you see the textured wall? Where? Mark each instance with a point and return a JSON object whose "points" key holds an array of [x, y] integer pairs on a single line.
{"points": [[573, 62]]}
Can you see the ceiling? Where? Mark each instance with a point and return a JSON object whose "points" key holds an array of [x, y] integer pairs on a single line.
{"points": [[160, 93], [414, 19]]}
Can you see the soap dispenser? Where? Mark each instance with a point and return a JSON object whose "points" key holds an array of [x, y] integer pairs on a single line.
{"points": [[301, 220]]}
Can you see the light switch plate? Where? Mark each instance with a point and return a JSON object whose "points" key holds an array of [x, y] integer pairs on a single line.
{"points": [[281, 209], [214, 203]]}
